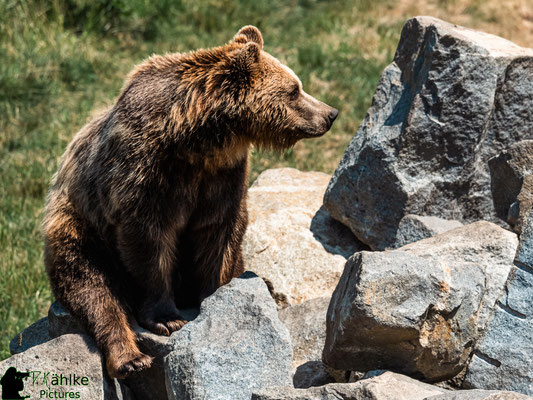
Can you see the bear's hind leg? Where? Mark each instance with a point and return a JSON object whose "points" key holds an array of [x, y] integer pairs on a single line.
{"points": [[76, 266]]}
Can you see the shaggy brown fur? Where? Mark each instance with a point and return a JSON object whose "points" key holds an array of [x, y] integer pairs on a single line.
{"points": [[148, 209]]}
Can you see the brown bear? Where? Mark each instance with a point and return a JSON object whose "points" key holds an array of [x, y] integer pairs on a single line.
{"points": [[148, 208]]}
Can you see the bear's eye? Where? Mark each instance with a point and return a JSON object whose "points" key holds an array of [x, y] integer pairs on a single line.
{"points": [[293, 95]]}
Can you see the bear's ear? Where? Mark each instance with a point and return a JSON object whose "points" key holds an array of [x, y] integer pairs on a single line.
{"points": [[249, 33], [248, 56]]}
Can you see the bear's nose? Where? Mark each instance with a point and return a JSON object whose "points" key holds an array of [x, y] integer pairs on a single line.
{"points": [[333, 114]]}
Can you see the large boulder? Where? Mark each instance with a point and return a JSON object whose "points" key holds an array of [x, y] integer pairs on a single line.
{"points": [[235, 346], [511, 175], [307, 326], [421, 309], [504, 357], [69, 366], [451, 99], [290, 240]]}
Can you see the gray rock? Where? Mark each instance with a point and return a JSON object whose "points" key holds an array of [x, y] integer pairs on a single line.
{"points": [[524, 254], [503, 360], [416, 227], [33, 335], [419, 310], [385, 386], [68, 356], [479, 395], [511, 174], [149, 383], [235, 346], [307, 326], [290, 240], [123, 391], [452, 99], [61, 322]]}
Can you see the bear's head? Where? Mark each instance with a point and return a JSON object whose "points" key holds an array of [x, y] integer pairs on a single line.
{"points": [[230, 95], [274, 105]]}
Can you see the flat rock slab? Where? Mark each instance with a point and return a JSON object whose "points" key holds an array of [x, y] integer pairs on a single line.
{"points": [[290, 240], [33, 335], [68, 364], [421, 309], [235, 346], [452, 99], [386, 386]]}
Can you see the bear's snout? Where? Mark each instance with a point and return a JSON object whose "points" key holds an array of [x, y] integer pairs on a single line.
{"points": [[332, 116]]}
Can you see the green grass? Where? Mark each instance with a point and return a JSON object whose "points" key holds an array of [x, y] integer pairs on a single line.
{"points": [[64, 59]]}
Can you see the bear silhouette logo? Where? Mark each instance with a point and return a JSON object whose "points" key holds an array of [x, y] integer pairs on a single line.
{"points": [[12, 383]]}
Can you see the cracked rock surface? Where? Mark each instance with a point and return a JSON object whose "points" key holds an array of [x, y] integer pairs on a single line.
{"points": [[451, 99], [421, 309]]}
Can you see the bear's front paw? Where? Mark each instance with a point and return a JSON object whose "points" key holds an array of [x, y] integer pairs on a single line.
{"points": [[121, 365], [163, 327], [161, 318]]}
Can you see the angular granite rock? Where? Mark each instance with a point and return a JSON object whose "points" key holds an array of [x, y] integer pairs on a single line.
{"points": [[289, 240], [68, 356], [33, 335], [451, 99], [503, 359], [419, 310], [415, 227], [236, 345], [511, 174], [307, 326], [385, 386]]}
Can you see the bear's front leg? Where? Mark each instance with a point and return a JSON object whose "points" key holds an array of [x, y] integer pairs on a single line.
{"points": [[149, 255]]}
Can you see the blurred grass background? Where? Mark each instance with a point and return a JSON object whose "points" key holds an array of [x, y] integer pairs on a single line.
{"points": [[62, 60]]}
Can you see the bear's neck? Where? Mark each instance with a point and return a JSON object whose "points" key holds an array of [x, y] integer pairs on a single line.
{"points": [[221, 158]]}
